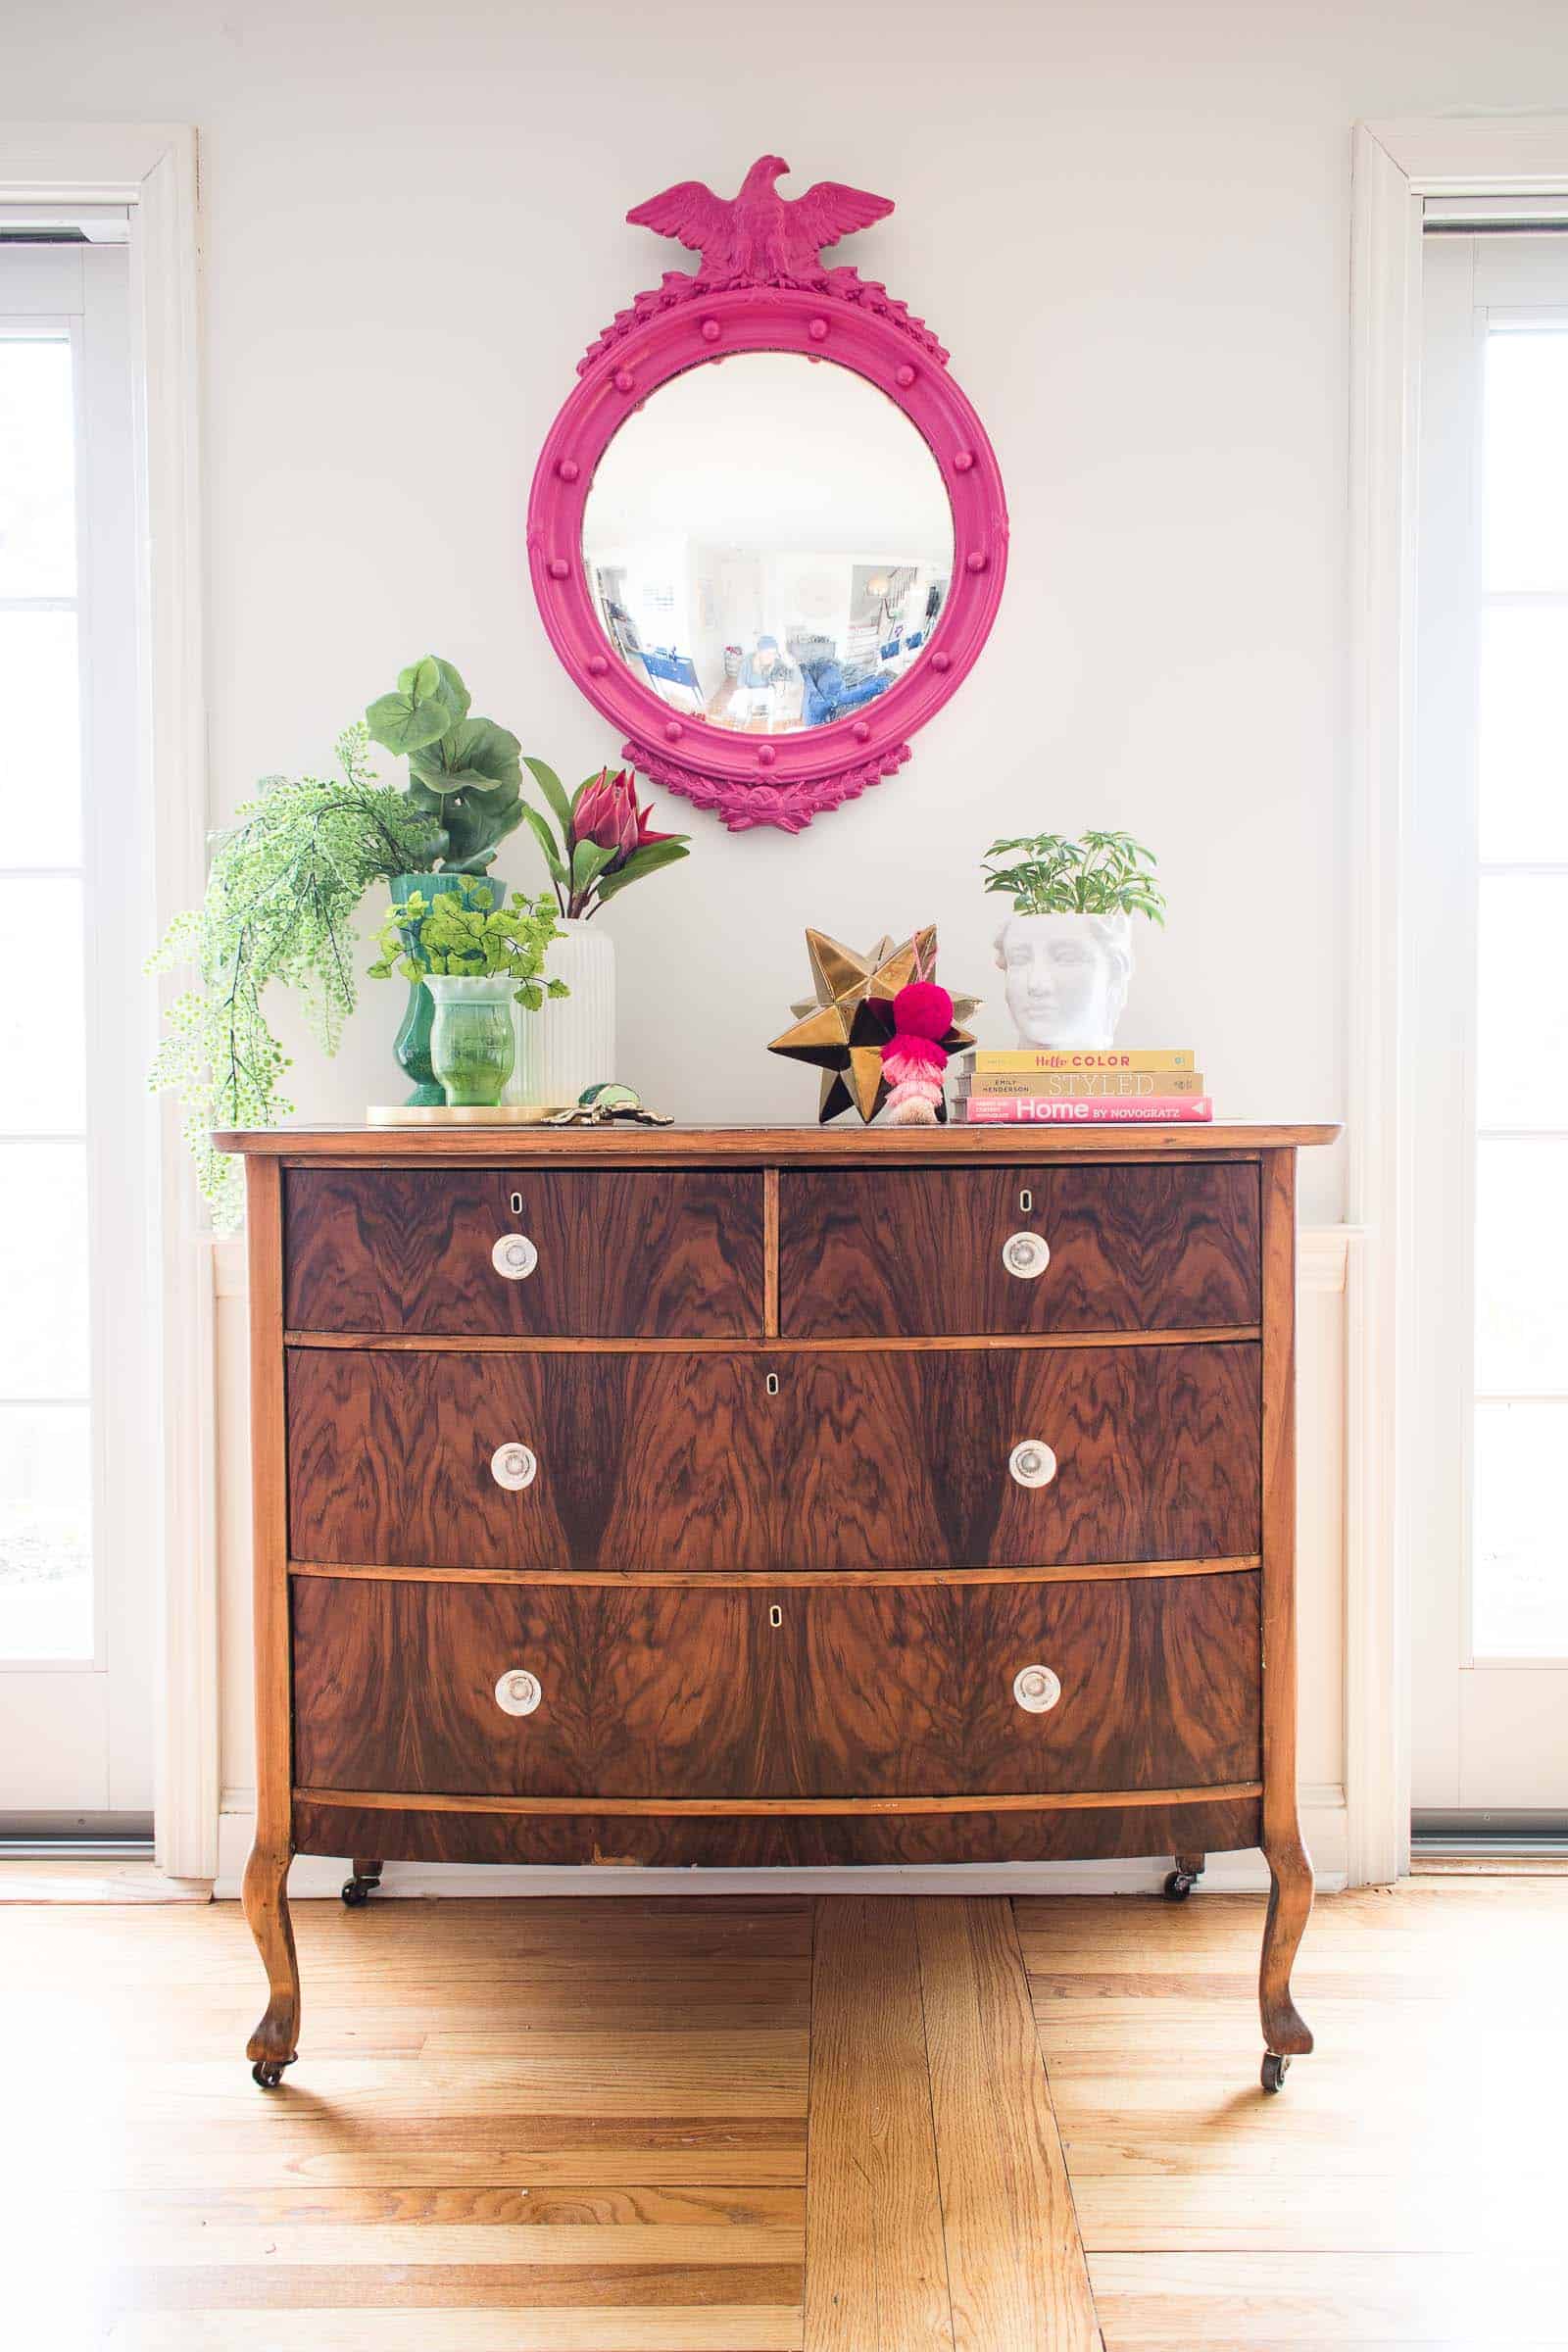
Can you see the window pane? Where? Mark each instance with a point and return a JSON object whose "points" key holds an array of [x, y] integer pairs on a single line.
{"points": [[1519, 1604], [43, 1269], [1522, 1014], [43, 1033], [1521, 1274], [45, 1533], [37, 468], [1524, 456], [1524, 733], [40, 775]]}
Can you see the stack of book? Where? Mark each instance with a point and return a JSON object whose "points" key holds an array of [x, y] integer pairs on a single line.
{"points": [[1066, 1086]]}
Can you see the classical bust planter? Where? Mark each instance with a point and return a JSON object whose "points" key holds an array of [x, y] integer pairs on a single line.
{"points": [[1067, 976]]}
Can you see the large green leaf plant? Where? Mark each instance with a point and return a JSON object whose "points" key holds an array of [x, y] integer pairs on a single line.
{"points": [[464, 774]]}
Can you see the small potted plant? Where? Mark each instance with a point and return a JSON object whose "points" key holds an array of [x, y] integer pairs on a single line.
{"points": [[476, 956], [1067, 948], [598, 845]]}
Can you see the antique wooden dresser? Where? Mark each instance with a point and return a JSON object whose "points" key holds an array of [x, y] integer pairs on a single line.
{"points": [[773, 1496]]}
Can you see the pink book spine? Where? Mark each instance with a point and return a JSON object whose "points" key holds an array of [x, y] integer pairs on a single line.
{"points": [[1096, 1111]]}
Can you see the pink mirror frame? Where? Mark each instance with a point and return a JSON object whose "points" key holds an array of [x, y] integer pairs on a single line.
{"points": [[781, 299]]}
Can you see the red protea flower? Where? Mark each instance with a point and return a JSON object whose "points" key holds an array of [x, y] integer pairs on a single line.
{"points": [[607, 815]]}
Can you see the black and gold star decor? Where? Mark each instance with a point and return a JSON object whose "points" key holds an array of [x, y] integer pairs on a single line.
{"points": [[842, 1030]]}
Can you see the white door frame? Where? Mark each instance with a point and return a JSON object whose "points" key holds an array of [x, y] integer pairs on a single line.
{"points": [[1397, 166], [153, 170]]}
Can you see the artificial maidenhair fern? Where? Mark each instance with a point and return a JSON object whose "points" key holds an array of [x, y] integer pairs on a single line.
{"points": [[285, 883]]}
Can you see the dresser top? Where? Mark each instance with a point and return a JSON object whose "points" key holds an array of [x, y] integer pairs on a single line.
{"points": [[763, 1147]]}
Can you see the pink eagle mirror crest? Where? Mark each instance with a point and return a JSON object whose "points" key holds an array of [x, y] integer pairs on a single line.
{"points": [[766, 531]]}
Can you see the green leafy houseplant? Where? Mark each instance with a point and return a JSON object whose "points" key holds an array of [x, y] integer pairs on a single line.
{"points": [[1103, 873], [464, 774], [285, 883], [481, 937]]}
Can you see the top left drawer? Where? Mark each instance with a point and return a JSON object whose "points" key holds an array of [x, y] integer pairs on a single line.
{"points": [[547, 1253]]}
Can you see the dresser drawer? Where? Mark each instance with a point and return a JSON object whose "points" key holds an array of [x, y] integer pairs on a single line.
{"points": [[866, 1461], [924, 1252], [441, 1459], [1017, 1457], [551, 1252], [641, 1692]]}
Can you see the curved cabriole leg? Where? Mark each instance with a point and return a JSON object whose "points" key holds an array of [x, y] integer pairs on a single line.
{"points": [[1286, 2033], [274, 2043]]}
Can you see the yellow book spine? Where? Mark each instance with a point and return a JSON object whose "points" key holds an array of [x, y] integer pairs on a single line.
{"points": [[1033, 1059]]}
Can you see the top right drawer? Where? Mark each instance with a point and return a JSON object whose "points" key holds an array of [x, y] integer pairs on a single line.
{"points": [[947, 1253]]}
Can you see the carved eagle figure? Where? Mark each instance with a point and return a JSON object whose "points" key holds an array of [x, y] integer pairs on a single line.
{"points": [[760, 237]]}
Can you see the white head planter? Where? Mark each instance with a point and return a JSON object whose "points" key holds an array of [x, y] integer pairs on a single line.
{"points": [[1067, 976]]}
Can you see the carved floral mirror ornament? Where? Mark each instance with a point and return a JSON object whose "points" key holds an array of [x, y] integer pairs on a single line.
{"points": [[766, 531]]}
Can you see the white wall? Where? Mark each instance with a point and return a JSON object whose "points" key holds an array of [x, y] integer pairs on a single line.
{"points": [[1128, 221]]}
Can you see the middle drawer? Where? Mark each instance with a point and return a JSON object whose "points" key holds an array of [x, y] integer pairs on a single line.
{"points": [[473, 1690], [860, 1462]]}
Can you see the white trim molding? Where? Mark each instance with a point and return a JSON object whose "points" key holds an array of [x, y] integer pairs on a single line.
{"points": [[151, 169], [1397, 166]]}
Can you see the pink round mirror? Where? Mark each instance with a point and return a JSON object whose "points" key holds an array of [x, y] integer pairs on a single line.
{"points": [[767, 532]]}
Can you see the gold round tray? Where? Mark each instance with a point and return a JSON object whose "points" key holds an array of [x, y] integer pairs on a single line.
{"points": [[462, 1114]]}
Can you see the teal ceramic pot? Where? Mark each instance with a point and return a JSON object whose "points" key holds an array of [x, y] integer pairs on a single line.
{"points": [[471, 1043], [412, 1044]]}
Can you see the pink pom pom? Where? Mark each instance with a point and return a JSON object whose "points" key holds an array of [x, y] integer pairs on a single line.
{"points": [[923, 1008]]}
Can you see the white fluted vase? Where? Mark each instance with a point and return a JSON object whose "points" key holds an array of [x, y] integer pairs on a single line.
{"points": [[570, 1043]]}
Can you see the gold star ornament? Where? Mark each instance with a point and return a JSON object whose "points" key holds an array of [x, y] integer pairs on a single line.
{"points": [[842, 1030]]}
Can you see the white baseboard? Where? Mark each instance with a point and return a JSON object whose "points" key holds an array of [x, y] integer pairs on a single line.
{"points": [[314, 1876]]}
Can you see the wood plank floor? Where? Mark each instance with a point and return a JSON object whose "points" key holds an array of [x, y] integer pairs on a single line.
{"points": [[724, 2125]]}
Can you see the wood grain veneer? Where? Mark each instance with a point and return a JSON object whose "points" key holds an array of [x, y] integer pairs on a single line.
{"points": [[859, 1461], [919, 1251], [656, 1253], [730, 1842], [859, 1691]]}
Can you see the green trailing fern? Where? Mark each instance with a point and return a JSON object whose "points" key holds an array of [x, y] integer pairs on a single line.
{"points": [[285, 883]]}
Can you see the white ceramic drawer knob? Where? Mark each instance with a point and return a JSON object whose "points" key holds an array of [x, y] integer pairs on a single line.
{"points": [[514, 1465], [1026, 1255], [1036, 1688], [519, 1693], [515, 1257], [1033, 1465]]}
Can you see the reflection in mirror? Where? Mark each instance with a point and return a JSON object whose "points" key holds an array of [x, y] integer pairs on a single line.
{"points": [[768, 543]]}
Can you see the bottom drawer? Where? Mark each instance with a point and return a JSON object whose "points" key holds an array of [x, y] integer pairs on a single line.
{"points": [[492, 1689]]}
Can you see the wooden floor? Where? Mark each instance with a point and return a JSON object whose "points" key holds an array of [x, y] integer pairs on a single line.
{"points": [[732, 2126]]}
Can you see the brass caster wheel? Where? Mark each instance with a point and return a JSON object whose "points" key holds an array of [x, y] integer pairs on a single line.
{"points": [[1275, 2070], [1179, 1886], [267, 2073], [359, 1890]]}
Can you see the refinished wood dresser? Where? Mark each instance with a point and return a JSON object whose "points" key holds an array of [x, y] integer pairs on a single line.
{"points": [[773, 1496]]}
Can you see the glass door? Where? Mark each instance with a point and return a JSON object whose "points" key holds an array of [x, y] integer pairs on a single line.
{"points": [[78, 1372], [1492, 1006]]}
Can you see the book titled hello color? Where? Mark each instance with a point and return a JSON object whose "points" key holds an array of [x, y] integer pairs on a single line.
{"points": [[1084, 1110]]}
